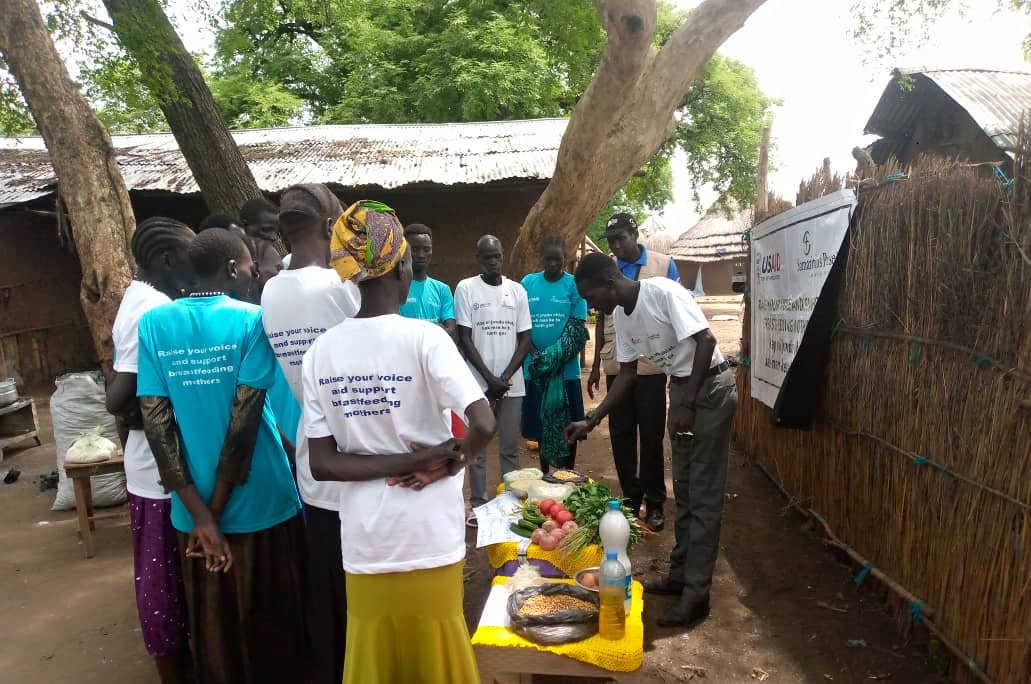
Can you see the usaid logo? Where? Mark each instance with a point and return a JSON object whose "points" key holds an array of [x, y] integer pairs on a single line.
{"points": [[477, 306], [769, 263]]}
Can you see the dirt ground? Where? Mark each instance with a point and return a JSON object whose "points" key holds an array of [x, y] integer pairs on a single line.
{"points": [[785, 610]]}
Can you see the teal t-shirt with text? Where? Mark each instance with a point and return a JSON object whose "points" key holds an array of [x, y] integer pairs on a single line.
{"points": [[429, 300], [196, 351], [551, 307]]}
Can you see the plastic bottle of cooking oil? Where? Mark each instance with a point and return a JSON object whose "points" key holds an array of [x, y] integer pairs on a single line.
{"points": [[611, 615], [614, 531]]}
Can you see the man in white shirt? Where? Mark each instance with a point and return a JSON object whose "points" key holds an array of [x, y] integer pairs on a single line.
{"points": [[493, 315], [658, 320], [298, 305]]}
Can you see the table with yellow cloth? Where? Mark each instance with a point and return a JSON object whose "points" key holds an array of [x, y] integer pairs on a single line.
{"points": [[522, 656]]}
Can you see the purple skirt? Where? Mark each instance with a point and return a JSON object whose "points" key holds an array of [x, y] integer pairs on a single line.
{"points": [[159, 577]]}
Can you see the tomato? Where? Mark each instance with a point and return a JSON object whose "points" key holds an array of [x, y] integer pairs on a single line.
{"points": [[546, 505], [563, 517]]}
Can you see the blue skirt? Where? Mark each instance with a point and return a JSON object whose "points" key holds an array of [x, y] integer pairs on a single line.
{"points": [[532, 408]]}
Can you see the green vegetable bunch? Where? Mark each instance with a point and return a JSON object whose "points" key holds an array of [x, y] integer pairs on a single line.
{"points": [[588, 503]]}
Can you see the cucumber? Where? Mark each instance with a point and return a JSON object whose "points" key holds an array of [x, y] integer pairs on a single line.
{"points": [[520, 530]]}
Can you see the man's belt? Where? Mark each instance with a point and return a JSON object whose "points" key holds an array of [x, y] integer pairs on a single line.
{"points": [[711, 373]]}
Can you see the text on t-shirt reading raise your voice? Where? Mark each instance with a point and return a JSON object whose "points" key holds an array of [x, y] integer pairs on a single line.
{"points": [[365, 391]]}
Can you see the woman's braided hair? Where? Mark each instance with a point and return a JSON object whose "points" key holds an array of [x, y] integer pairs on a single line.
{"points": [[156, 235]]}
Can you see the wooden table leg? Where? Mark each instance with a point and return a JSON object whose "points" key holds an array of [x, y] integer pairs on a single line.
{"points": [[82, 496], [89, 501]]}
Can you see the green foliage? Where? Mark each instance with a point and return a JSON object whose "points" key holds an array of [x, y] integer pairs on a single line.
{"points": [[720, 128], [122, 101], [403, 61], [245, 103], [15, 118]]}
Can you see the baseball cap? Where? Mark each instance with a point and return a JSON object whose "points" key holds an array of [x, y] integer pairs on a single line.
{"points": [[620, 222]]}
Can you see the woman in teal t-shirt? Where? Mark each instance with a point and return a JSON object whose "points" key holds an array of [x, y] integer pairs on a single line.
{"points": [[553, 391], [204, 368]]}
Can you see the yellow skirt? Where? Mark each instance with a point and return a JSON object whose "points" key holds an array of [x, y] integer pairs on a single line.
{"points": [[408, 628]]}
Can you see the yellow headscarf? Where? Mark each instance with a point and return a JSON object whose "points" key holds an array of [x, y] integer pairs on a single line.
{"points": [[367, 242]]}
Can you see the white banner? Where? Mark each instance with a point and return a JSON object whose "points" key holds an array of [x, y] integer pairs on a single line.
{"points": [[792, 253]]}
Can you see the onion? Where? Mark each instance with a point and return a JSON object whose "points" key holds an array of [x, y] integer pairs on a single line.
{"points": [[548, 542], [570, 526]]}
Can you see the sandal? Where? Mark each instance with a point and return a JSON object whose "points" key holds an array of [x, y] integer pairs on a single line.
{"points": [[471, 521]]}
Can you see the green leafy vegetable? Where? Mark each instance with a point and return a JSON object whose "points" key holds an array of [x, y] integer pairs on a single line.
{"points": [[588, 504]]}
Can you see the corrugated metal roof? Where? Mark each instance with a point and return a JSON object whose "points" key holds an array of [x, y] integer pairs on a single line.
{"points": [[716, 237], [388, 156], [995, 99]]}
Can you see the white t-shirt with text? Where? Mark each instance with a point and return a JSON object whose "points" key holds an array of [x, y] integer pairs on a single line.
{"points": [[495, 314], [660, 328], [296, 307], [141, 470], [377, 386]]}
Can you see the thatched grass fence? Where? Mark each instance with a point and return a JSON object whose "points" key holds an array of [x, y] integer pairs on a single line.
{"points": [[919, 465]]}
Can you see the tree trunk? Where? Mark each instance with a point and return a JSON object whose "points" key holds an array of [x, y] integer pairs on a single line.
{"points": [[626, 114], [175, 80], [80, 149]]}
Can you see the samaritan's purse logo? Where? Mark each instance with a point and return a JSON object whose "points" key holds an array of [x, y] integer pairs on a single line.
{"points": [[807, 245]]}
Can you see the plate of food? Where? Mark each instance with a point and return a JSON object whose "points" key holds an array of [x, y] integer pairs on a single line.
{"points": [[565, 476]]}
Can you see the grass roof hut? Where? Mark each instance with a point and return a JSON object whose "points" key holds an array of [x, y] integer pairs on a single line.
{"points": [[712, 255]]}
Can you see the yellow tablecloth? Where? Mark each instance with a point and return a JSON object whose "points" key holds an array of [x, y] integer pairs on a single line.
{"points": [[499, 554], [625, 655]]}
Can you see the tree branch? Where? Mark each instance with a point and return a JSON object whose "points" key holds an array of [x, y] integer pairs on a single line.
{"points": [[96, 22], [627, 112]]}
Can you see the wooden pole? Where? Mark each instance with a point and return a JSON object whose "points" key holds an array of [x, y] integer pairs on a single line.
{"points": [[761, 210], [762, 192]]}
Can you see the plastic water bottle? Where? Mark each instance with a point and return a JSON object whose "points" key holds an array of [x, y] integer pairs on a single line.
{"points": [[611, 614], [615, 536]]}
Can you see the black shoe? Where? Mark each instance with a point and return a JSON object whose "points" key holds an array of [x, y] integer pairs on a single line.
{"points": [[654, 518], [680, 616], [664, 587]]}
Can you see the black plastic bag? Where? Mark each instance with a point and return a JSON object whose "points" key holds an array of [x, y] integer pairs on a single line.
{"points": [[561, 627]]}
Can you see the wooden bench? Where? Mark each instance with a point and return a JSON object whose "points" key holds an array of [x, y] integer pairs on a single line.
{"points": [[18, 422], [80, 476]]}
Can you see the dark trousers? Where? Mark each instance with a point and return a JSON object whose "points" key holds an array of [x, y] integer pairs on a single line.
{"points": [[325, 599], [699, 484], [641, 414]]}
